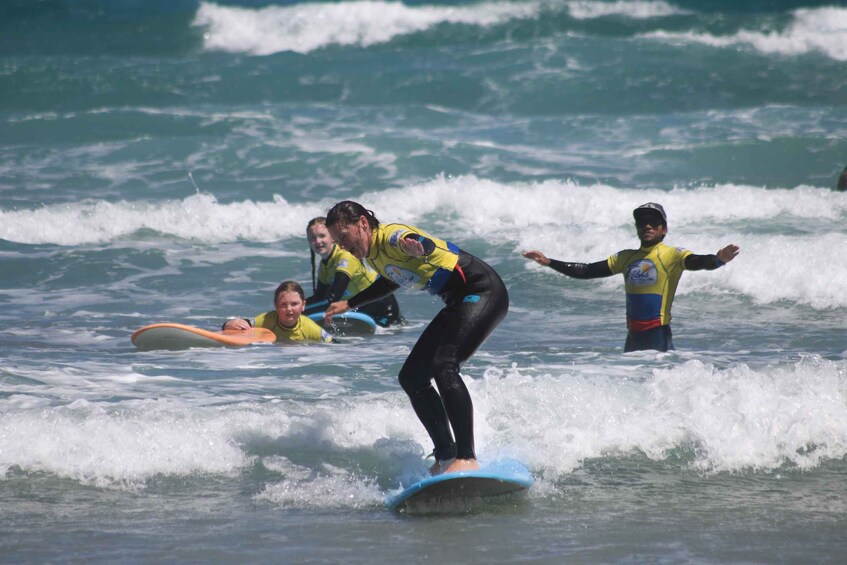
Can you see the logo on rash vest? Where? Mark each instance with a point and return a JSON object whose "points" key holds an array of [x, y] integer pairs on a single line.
{"points": [[394, 238], [401, 276], [642, 273]]}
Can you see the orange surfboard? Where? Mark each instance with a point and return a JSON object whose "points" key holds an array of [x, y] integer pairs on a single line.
{"points": [[180, 336]]}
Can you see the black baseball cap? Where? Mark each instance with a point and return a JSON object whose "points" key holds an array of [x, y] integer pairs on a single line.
{"points": [[651, 209]]}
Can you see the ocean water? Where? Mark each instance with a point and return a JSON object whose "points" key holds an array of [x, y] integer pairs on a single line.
{"points": [[159, 161]]}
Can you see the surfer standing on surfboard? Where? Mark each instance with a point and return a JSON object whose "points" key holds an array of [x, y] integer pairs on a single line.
{"points": [[286, 320], [341, 275], [476, 301], [651, 274]]}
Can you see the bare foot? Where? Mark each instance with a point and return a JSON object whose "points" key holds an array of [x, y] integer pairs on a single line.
{"points": [[462, 465], [439, 467]]}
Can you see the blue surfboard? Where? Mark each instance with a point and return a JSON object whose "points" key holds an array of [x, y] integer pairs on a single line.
{"points": [[500, 477], [349, 323]]}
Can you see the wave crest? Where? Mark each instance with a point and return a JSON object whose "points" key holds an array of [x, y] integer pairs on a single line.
{"points": [[306, 27], [822, 30]]}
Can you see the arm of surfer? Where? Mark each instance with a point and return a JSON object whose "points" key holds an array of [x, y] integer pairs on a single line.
{"points": [[335, 308], [338, 286], [575, 270], [320, 294], [712, 262], [538, 257], [326, 294], [381, 288], [595, 270], [330, 292]]}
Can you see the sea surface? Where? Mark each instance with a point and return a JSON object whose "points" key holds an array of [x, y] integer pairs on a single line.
{"points": [[159, 161]]}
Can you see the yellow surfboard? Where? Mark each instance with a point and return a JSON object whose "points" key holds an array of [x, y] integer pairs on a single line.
{"points": [[179, 336]]}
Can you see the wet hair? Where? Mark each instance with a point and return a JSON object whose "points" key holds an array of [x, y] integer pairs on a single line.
{"points": [[288, 286], [318, 221], [349, 212]]}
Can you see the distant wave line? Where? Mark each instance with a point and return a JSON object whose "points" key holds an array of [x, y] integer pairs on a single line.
{"points": [[303, 28], [822, 30]]}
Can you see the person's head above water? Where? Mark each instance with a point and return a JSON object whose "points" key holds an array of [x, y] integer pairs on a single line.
{"points": [[319, 238], [349, 212], [651, 223], [651, 210], [350, 225], [289, 302]]}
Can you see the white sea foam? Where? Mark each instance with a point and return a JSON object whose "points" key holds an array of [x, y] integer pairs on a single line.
{"points": [[305, 27], [331, 488], [635, 9], [733, 419], [779, 230], [122, 447], [196, 216], [730, 419], [483, 207], [822, 30], [302, 28]]}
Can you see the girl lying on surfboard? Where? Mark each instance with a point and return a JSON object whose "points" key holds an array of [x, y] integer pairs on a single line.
{"points": [[286, 320], [341, 275], [476, 301]]}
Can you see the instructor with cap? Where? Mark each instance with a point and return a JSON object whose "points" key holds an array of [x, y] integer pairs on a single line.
{"points": [[651, 274]]}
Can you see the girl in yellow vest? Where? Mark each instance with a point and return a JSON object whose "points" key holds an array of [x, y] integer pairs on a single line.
{"points": [[286, 320], [341, 276]]}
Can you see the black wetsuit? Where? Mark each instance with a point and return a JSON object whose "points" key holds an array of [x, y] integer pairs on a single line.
{"points": [[476, 301]]}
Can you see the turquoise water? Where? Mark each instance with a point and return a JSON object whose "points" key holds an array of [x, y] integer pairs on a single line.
{"points": [[159, 162]]}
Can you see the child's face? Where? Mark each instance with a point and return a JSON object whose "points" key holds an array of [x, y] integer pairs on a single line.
{"points": [[319, 239], [289, 306]]}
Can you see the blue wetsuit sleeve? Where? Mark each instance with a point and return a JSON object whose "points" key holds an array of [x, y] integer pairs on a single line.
{"points": [[702, 262], [582, 270], [381, 288]]}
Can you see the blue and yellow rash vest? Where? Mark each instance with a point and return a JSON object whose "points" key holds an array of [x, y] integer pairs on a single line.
{"points": [[304, 330], [361, 276], [428, 272], [651, 275]]}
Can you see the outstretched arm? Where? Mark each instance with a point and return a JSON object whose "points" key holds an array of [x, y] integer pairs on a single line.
{"points": [[729, 253], [712, 262], [538, 257], [576, 270]]}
